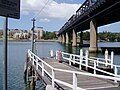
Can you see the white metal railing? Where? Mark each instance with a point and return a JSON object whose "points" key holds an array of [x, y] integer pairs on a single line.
{"points": [[92, 62], [40, 63]]}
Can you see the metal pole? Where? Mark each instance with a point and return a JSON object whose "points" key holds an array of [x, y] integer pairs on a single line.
{"points": [[33, 34], [5, 53]]}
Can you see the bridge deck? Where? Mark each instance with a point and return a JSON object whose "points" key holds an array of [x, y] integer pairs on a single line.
{"points": [[85, 82]]}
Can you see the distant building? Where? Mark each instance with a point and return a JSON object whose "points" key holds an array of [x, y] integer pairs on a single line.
{"points": [[38, 33], [21, 35]]}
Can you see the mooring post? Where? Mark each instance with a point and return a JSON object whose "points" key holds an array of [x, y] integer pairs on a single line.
{"points": [[112, 58], [51, 53], [81, 58], [106, 57]]}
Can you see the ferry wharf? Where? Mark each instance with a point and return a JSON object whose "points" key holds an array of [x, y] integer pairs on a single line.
{"points": [[63, 75]]}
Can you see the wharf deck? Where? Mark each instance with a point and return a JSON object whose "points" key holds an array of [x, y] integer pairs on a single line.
{"points": [[85, 82]]}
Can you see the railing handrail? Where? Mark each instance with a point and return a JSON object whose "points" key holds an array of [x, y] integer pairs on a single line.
{"points": [[100, 70], [67, 71], [95, 59], [41, 60]]}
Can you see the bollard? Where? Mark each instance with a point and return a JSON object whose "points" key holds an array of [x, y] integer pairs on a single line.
{"points": [[60, 56], [51, 54]]}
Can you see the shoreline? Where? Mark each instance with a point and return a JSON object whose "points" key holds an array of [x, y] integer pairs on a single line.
{"points": [[30, 40]]}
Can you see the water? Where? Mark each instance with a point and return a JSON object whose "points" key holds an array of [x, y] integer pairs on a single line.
{"points": [[17, 55], [16, 59]]}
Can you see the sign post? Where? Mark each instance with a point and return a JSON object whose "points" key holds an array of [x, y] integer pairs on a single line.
{"points": [[5, 53], [8, 8]]}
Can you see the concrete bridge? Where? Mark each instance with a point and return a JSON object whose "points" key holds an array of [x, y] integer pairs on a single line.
{"points": [[91, 15]]}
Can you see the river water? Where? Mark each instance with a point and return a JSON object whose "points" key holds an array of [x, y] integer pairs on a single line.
{"points": [[17, 55]]}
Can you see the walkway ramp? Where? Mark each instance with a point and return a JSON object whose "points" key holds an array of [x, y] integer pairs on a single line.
{"points": [[64, 76], [85, 82]]}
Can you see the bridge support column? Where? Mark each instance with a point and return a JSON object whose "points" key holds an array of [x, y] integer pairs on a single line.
{"points": [[74, 38], [63, 38], [81, 39], [93, 37], [60, 38], [67, 38]]}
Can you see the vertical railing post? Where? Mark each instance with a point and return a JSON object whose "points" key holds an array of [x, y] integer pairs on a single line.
{"points": [[53, 77], [81, 58], [36, 64], [97, 62], [112, 58], [56, 55], [94, 67], [33, 60], [74, 81], [86, 57], [73, 59], [115, 72], [42, 69], [106, 57], [70, 59]]}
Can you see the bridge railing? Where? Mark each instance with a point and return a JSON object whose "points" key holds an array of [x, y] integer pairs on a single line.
{"points": [[38, 63], [86, 7]]}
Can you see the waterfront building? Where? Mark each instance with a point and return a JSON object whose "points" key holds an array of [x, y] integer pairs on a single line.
{"points": [[21, 35], [38, 32]]}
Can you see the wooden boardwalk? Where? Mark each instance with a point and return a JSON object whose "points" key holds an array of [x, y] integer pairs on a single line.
{"points": [[85, 82]]}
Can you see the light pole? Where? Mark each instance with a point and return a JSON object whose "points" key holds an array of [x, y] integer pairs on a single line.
{"points": [[33, 28]]}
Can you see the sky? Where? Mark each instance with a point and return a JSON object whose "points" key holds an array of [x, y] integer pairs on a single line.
{"points": [[52, 17]]}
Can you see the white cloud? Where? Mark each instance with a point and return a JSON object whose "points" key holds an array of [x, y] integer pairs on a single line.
{"points": [[44, 20], [52, 10]]}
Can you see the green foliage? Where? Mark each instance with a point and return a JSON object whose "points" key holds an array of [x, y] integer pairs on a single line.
{"points": [[49, 35], [85, 36], [103, 36], [108, 36]]}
